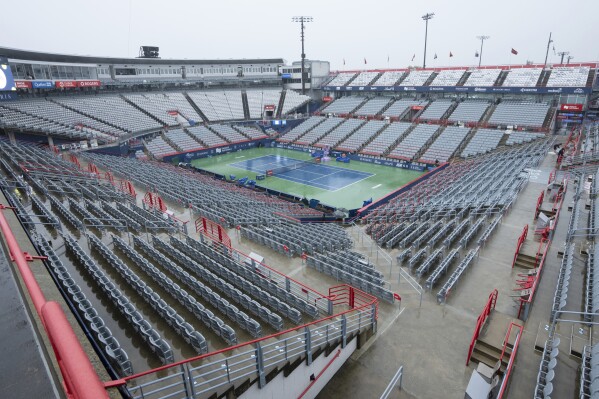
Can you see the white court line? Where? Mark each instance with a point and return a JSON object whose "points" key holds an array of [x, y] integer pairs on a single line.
{"points": [[243, 156], [377, 186], [357, 181]]}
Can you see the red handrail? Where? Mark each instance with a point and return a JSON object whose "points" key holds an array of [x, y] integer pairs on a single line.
{"points": [[521, 240], [510, 365], [480, 321], [80, 380]]}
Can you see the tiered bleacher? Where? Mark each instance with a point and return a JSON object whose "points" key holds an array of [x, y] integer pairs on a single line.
{"points": [[525, 77], [469, 111], [182, 140], [219, 105], [360, 136], [252, 132], [568, 76], [343, 105], [363, 79], [373, 106], [158, 147], [484, 140], [339, 133], [293, 100], [483, 77], [416, 78], [436, 109], [230, 134], [302, 128], [341, 79], [257, 99], [388, 137], [206, 136], [444, 147], [518, 137], [160, 104], [448, 77], [518, 113], [113, 110], [399, 107], [389, 78], [319, 131], [415, 141]]}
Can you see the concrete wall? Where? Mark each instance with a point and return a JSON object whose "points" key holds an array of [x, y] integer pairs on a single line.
{"points": [[291, 387]]}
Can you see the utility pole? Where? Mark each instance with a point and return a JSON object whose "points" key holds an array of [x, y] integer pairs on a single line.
{"points": [[482, 41], [426, 17], [547, 53], [302, 20], [562, 54]]}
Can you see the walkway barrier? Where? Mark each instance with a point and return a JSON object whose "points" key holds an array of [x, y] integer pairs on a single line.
{"points": [[217, 372], [480, 321], [521, 240], [80, 380], [510, 366], [396, 380]]}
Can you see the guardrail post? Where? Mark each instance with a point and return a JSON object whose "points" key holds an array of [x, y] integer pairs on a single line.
{"points": [[187, 380], [343, 331], [308, 345], [373, 316], [287, 284], [330, 306], [260, 365]]}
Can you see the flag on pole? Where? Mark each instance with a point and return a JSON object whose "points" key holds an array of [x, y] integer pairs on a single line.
{"points": [[365, 60], [450, 54], [344, 61], [387, 58], [476, 54], [514, 52], [435, 55], [414, 56]]}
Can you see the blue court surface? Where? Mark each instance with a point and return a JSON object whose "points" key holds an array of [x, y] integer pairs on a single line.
{"points": [[331, 178]]}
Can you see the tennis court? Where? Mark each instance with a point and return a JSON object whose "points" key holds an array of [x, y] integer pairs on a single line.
{"points": [[326, 177], [338, 184]]}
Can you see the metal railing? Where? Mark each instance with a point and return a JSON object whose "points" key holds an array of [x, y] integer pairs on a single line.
{"points": [[396, 380], [219, 371]]}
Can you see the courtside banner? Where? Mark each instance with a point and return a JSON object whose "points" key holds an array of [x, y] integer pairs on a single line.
{"points": [[461, 89]]}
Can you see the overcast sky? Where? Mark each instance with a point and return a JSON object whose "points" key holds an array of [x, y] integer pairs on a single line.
{"points": [[350, 29]]}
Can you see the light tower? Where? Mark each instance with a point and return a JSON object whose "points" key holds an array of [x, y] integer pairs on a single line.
{"points": [[426, 17], [302, 20], [548, 44], [482, 41]]}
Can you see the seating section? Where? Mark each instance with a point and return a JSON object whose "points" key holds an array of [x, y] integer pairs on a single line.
{"points": [[113, 110], [339, 133], [320, 130], [399, 107], [518, 137], [294, 100], [160, 104], [516, 113], [360, 136], [469, 111], [416, 78], [182, 140], [483, 77], [445, 145], [415, 141], [523, 77], [230, 134], [206, 136], [389, 78], [344, 105], [448, 77], [363, 79], [388, 137], [158, 147], [219, 105], [341, 79], [252, 132], [568, 76], [373, 107], [302, 128], [257, 99], [484, 140], [436, 110]]}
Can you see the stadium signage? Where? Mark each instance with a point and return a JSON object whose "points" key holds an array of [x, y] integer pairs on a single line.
{"points": [[88, 83], [68, 84], [571, 107], [8, 95], [42, 84], [468, 89], [23, 84], [63, 84]]}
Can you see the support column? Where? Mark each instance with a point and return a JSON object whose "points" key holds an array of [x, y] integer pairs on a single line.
{"points": [[50, 141]]}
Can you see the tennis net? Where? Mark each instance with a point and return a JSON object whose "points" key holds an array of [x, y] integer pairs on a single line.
{"points": [[283, 169]]}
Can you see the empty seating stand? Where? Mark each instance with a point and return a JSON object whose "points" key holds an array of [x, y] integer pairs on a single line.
{"points": [[483, 77], [444, 147], [414, 142], [416, 78], [373, 107], [342, 79], [568, 76], [522, 77], [344, 105], [363, 79], [389, 78], [484, 140], [386, 138], [469, 111], [519, 114], [448, 77], [360, 136], [436, 110]]}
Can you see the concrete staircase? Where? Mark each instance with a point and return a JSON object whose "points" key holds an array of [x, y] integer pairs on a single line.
{"points": [[549, 117], [281, 102], [195, 107], [402, 77], [399, 139], [375, 79], [501, 78], [543, 78], [246, 107], [352, 79], [464, 78], [171, 143], [429, 142], [489, 346], [307, 131], [218, 134], [430, 79]]}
